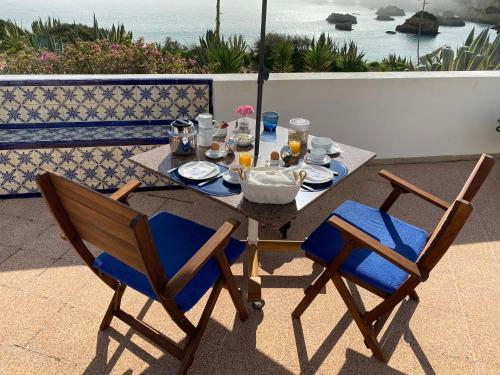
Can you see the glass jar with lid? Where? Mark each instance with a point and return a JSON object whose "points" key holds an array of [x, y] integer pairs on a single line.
{"points": [[299, 130]]}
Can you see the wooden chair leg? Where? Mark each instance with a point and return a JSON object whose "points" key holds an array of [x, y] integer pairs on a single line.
{"points": [[114, 306], [232, 287], [365, 328], [311, 292], [414, 296], [194, 341]]}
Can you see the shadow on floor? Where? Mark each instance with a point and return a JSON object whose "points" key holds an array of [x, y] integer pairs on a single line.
{"points": [[235, 359], [357, 362]]}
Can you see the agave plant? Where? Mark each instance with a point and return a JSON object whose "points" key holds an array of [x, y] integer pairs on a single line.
{"points": [[117, 34], [43, 37], [477, 53], [282, 55], [397, 63], [349, 59], [14, 37], [221, 55], [321, 54]]}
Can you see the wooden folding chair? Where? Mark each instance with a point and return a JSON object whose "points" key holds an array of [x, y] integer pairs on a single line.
{"points": [[383, 254], [167, 258]]}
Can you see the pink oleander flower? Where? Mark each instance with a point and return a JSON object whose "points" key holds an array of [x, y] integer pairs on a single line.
{"points": [[193, 61], [245, 110], [96, 48], [114, 46], [47, 56]]}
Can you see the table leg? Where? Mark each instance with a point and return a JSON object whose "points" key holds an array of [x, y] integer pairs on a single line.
{"points": [[254, 287]]}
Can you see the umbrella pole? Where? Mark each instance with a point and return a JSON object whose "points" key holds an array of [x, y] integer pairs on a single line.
{"points": [[263, 75]]}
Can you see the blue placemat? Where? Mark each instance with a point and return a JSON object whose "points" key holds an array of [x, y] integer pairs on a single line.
{"points": [[335, 166], [218, 187]]}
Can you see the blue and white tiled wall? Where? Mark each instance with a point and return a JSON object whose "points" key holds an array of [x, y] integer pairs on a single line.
{"points": [[87, 130]]}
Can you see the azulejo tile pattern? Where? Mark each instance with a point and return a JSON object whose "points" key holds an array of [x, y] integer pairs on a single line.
{"points": [[15, 138], [100, 168], [31, 105], [87, 129]]}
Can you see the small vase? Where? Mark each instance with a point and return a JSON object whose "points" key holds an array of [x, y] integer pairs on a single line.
{"points": [[243, 125]]}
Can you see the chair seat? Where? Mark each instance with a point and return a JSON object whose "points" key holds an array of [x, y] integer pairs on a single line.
{"points": [[176, 240], [326, 242]]}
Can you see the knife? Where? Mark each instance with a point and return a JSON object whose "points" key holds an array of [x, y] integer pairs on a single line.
{"points": [[210, 180]]}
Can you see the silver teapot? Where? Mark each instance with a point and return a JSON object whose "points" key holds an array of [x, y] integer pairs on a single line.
{"points": [[182, 137]]}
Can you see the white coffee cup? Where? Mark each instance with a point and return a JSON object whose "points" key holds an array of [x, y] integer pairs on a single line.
{"points": [[205, 136], [234, 173], [205, 120], [318, 154], [322, 142]]}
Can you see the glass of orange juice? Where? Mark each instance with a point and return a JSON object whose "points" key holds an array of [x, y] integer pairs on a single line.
{"points": [[245, 159], [295, 146]]}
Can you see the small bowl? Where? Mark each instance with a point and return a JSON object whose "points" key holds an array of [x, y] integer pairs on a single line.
{"points": [[244, 139]]}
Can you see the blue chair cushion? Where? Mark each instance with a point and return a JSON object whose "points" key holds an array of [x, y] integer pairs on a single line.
{"points": [[176, 240], [326, 242]]}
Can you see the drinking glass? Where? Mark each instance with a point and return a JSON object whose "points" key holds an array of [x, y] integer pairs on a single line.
{"points": [[270, 120], [245, 159]]}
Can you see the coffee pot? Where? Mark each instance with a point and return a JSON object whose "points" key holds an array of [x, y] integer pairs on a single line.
{"points": [[182, 137]]}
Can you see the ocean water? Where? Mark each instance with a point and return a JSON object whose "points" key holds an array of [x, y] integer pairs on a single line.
{"points": [[186, 20]]}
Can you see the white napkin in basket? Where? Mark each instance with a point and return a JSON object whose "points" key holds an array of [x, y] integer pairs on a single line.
{"points": [[274, 177]]}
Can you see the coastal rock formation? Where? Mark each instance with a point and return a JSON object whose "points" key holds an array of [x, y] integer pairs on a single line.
{"points": [[390, 32], [341, 18], [344, 26], [382, 17], [489, 15], [391, 11], [449, 19], [430, 24]]}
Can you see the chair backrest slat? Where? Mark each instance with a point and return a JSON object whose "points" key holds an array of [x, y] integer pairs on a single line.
{"points": [[456, 216], [445, 233], [98, 220]]}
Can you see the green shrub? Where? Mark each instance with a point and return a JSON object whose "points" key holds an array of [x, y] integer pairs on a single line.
{"points": [[282, 55], [300, 45], [321, 54]]}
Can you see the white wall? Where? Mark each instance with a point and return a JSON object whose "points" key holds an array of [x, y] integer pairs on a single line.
{"points": [[396, 115]]}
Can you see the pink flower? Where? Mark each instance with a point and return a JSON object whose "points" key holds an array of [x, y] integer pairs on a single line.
{"points": [[47, 56], [114, 46], [245, 110], [193, 61], [96, 48]]}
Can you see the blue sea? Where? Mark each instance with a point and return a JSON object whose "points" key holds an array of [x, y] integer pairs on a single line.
{"points": [[186, 20]]}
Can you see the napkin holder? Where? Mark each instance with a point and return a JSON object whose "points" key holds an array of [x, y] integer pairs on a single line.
{"points": [[283, 192]]}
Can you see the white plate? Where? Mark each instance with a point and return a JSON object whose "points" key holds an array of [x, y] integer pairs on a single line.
{"points": [[326, 160], [227, 177], [198, 170], [316, 174], [215, 155]]}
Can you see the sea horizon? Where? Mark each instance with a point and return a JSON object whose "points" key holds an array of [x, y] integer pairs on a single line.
{"points": [[188, 20]]}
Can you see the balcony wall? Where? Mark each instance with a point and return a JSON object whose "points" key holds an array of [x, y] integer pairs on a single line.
{"points": [[397, 115]]}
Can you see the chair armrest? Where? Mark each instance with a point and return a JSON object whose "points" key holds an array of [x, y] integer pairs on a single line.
{"points": [[214, 244], [407, 187], [121, 195], [358, 237]]}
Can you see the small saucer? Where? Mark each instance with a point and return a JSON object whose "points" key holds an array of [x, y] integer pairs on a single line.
{"points": [[326, 160], [215, 155], [333, 151], [227, 177], [280, 164]]}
